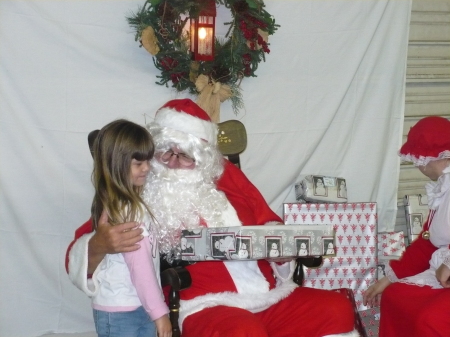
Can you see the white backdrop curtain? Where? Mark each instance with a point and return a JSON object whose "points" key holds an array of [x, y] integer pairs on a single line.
{"points": [[328, 100]]}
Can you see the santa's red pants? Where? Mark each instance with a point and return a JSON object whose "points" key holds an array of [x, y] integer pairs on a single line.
{"points": [[306, 312], [413, 311]]}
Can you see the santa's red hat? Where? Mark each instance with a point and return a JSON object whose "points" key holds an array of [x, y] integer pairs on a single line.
{"points": [[428, 139], [186, 116]]}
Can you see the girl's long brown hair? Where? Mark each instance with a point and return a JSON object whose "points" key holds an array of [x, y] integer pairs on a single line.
{"points": [[116, 145]]}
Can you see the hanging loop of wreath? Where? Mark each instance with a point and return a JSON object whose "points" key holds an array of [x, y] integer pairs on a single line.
{"points": [[159, 28]]}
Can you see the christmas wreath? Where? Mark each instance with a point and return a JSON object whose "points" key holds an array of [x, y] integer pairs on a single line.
{"points": [[159, 28]]}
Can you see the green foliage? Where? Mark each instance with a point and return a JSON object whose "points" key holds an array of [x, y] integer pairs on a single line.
{"points": [[236, 57]]}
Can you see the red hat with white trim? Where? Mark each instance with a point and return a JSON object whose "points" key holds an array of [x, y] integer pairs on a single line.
{"points": [[428, 139], [186, 116]]}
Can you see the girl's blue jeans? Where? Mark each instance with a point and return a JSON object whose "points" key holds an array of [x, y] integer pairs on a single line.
{"points": [[135, 323]]}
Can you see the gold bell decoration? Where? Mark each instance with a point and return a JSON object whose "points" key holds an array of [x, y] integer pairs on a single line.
{"points": [[211, 94], [426, 235]]}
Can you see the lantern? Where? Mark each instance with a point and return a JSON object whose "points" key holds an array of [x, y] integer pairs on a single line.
{"points": [[202, 33]]}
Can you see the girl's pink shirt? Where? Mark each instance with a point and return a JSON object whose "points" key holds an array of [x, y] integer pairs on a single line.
{"points": [[143, 275]]}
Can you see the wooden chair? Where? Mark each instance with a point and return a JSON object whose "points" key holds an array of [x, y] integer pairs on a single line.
{"points": [[232, 140]]}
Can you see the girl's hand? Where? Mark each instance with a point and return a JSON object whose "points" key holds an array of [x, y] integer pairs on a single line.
{"points": [[443, 275], [163, 326], [372, 295]]}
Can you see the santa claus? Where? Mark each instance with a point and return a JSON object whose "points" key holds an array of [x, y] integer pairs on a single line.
{"points": [[192, 186]]}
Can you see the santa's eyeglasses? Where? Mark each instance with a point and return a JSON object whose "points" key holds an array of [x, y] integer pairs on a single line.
{"points": [[183, 158]]}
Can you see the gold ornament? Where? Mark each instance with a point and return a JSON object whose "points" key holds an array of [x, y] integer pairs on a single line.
{"points": [[426, 235], [149, 40], [211, 94]]}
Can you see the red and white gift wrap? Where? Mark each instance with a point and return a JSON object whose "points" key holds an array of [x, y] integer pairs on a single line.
{"points": [[391, 243], [355, 263], [370, 319]]}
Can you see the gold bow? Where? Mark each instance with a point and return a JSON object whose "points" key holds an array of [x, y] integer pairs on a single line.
{"points": [[211, 94], [149, 40]]}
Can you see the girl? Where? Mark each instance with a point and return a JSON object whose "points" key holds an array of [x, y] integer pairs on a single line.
{"points": [[416, 289], [129, 296]]}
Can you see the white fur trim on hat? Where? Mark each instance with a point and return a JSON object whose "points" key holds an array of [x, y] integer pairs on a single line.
{"points": [[186, 123]]}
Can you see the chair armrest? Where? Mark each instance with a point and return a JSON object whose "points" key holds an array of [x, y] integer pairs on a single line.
{"points": [[176, 278], [311, 261], [307, 261]]}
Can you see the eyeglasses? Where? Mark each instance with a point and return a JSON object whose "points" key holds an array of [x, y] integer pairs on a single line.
{"points": [[183, 158]]}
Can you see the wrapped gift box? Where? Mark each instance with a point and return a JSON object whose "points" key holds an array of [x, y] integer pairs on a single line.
{"points": [[391, 243], [355, 263], [370, 319], [321, 189], [256, 242], [416, 212]]}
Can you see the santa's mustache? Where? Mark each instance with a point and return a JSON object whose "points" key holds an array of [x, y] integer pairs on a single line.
{"points": [[162, 174]]}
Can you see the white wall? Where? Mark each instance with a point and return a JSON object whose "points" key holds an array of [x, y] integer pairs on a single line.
{"points": [[328, 100]]}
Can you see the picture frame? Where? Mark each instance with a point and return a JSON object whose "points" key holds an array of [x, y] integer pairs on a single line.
{"points": [[222, 245], [341, 188], [187, 246], [328, 246], [303, 244], [319, 187], [244, 249], [274, 247], [415, 223]]}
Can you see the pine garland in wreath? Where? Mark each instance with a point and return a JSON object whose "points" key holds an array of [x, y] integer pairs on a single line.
{"points": [[159, 28]]}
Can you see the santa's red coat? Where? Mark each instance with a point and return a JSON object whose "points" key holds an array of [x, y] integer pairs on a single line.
{"points": [[299, 312]]}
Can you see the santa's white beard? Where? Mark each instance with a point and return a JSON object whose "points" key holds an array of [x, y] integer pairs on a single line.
{"points": [[179, 199]]}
